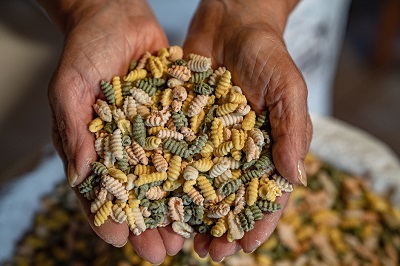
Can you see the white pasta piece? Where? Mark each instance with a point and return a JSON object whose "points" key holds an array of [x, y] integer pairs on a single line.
{"points": [[132, 159], [130, 182], [257, 136], [182, 229], [188, 134], [173, 82], [142, 110], [118, 115], [155, 119], [179, 93], [176, 209], [118, 214], [196, 196], [141, 96], [99, 147], [159, 162], [239, 200], [108, 156], [166, 134], [115, 187], [283, 184], [251, 149], [116, 144], [235, 230], [219, 168], [192, 56], [145, 211], [227, 134], [227, 174], [175, 53], [230, 120], [190, 173], [103, 110], [139, 222], [242, 110], [197, 105], [180, 72], [139, 153], [129, 108], [199, 64], [98, 201], [236, 89], [176, 105], [156, 193], [143, 60]]}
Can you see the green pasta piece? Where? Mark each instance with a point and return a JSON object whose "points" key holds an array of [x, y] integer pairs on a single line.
{"points": [[179, 119], [267, 139], [145, 202], [247, 176], [177, 147], [132, 65], [186, 200], [203, 89], [246, 220], [155, 184], [188, 213], [198, 213], [126, 89], [246, 165], [99, 169], [268, 206], [209, 118], [110, 127], [89, 183], [256, 211], [155, 81], [198, 77], [261, 120], [141, 192], [146, 87], [229, 187], [158, 206], [263, 162], [108, 91], [150, 223], [139, 130], [179, 62], [203, 228], [126, 140], [198, 143], [123, 164]]}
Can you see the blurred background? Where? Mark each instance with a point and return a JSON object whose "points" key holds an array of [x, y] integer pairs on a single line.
{"points": [[363, 89]]}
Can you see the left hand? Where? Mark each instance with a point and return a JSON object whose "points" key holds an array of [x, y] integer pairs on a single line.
{"points": [[246, 37]]}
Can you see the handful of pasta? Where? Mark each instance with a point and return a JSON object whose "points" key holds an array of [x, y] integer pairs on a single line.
{"points": [[178, 144]]}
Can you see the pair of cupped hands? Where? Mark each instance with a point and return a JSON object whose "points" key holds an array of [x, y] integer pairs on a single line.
{"points": [[101, 38]]}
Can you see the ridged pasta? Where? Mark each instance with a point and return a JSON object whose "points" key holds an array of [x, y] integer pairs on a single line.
{"points": [[216, 75], [173, 171], [203, 165], [156, 193], [116, 144], [230, 120], [226, 108], [238, 98], [175, 208], [284, 185], [159, 162], [103, 110], [223, 149], [149, 178], [190, 173], [235, 230], [196, 197], [141, 96], [224, 84], [166, 97], [135, 75], [246, 219], [118, 213], [206, 188], [175, 53], [220, 227], [217, 132], [199, 77], [166, 133], [252, 191], [142, 110], [156, 66], [249, 121], [218, 211], [251, 150], [139, 130], [179, 119], [182, 229], [188, 101], [268, 206], [117, 174], [219, 168], [177, 147], [196, 120], [238, 139], [197, 105], [115, 188], [269, 191], [139, 153], [199, 64], [129, 108], [198, 144], [179, 93], [230, 186], [96, 125], [180, 72], [173, 82], [108, 91], [103, 213], [141, 169], [116, 82], [239, 200]]}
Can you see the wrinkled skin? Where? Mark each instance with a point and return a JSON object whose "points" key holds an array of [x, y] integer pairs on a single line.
{"points": [[99, 44], [253, 50]]}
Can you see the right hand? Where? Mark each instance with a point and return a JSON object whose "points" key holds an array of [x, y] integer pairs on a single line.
{"points": [[100, 39]]}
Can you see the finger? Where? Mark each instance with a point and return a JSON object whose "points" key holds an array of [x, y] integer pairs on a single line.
{"points": [[220, 248], [264, 228], [149, 245], [202, 244], [111, 232], [172, 241]]}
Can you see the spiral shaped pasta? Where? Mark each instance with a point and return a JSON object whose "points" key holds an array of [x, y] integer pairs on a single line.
{"points": [[108, 91], [224, 84], [206, 188], [102, 214]]}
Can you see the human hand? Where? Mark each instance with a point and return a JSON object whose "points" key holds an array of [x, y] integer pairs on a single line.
{"points": [[101, 38], [246, 37]]}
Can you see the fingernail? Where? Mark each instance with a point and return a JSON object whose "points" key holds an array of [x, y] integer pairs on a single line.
{"points": [[159, 263], [203, 256], [220, 260], [71, 174], [120, 246], [302, 173]]}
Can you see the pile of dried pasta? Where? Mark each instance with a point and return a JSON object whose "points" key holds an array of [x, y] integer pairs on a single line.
{"points": [[337, 220], [179, 144]]}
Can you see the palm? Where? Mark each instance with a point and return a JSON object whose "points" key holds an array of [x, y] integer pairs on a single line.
{"points": [[96, 50], [261, 66]]}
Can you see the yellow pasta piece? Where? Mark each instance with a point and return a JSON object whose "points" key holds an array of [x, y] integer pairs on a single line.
{"points": [[156, 66], [229, 200], [203, 165], [166, 97], [223, 85], [141, 169], [238, 139], [269, 190], [117, 174], [226, 108], [252, 191], [172, 185], [153, 131], [167, 155], [96, 125], [195, 121], [116, 82], [206, 188], [135, 74], [188, 101], [174, 168], [220, 227], [149, 178], [130, 218], [236, 154], [236, 173], [163, 53], [103, 213], [223, 149], [188, 185], [217, 132], [249, 121], [152, 143], [207, 150], [238, 98]]}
